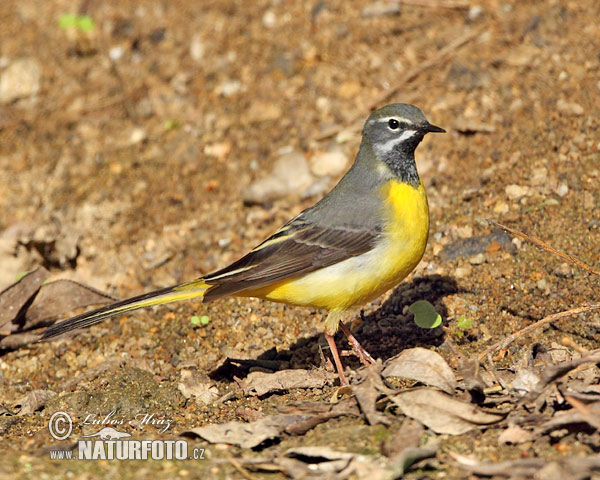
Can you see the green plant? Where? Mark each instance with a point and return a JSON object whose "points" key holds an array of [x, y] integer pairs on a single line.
{"points": [[79, 22], [425, 314]]}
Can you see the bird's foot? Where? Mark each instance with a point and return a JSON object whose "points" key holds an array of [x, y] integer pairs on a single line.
{"points": [[336, 358], [357, 348]]}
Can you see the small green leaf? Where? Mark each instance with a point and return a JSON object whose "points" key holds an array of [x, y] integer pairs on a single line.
{"points": [[67, 20], [425, 314], [204, 319], [464, 323], [172, 124], [84, 23], [195, 320], [20, 276]]}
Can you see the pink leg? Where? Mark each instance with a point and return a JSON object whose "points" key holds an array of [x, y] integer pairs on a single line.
{"points": [[336, 359], [359, 351]]}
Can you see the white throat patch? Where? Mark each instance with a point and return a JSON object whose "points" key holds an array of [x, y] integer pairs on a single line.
{"points": [[386, 147]]}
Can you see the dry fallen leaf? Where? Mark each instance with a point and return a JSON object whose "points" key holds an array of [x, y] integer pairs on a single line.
{"points": [[248, 435], [33, 401], [198, 385], [15, 297], [368, 391], [515, 435], [260, 383], [442, 413], [423, 365]]}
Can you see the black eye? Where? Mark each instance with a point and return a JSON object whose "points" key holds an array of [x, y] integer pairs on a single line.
{"points": [[394, 124]]}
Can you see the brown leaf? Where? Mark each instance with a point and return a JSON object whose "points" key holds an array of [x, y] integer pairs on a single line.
{"points": [[33, 401], [260, 383], [59, 297], [409, 436], [515, 435], [423, 365], [198, 385], [442, 413], [248, 435], [368, 391], [16, 296]]}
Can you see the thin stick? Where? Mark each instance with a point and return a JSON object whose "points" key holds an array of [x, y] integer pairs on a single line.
{"points": [[534, 326], [545, 246], [408, 77], [238, 466], [436, 3]]}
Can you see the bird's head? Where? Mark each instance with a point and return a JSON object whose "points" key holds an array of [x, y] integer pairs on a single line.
{"points": [[397, 129]]}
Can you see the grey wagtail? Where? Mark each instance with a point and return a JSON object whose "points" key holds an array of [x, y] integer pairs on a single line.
{"points": [[360, 240]]}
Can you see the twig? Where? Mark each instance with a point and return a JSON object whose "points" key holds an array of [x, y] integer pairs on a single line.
{"points": [[408, 77], [534, 326], [238, 466], [436, 3], [545, 246]]}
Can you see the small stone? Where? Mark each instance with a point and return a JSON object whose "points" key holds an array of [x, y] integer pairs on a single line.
{"points": [[329, 163], [137, 135], [501, 207], [562, 190], [116, 53], [290, 176], [475, 12], [463, 272], [465, 232], [269, 19], [219, 150], [263, 112], [197, 48], [477, 259], [21, 79], [569, 108], [539, 176], [588, 200], [380, 9], [516, 104], [229, 88], [542, 284], [514, 192], [563, 271]]}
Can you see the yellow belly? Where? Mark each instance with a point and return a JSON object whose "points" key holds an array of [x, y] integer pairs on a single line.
{"points": [[360, 279]]}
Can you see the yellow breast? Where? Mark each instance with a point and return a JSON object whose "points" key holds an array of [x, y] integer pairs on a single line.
{"points": [[360, 279]]}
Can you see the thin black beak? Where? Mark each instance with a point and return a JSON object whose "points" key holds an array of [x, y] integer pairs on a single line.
{"points": [[429, 128]]}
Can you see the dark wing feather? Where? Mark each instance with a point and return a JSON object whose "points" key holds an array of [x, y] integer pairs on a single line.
{"points": [[296, 249]]}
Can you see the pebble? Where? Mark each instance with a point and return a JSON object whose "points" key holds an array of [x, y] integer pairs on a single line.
{"points": [[463, 272], [588, 200], [269, 19], [380, 9], [116, 53], [514, 192], [501, 207], [290, 175], [562, 190], [477, 259], [475, 12], [465, 232], [569, 108], [21, 79], [137, 135], [329, 163], [539, 176], [197, 48], [263, 112], [229, 88]]}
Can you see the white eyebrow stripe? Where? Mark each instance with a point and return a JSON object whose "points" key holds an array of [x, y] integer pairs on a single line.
{"points": [[400, 119], [388, 146]]}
